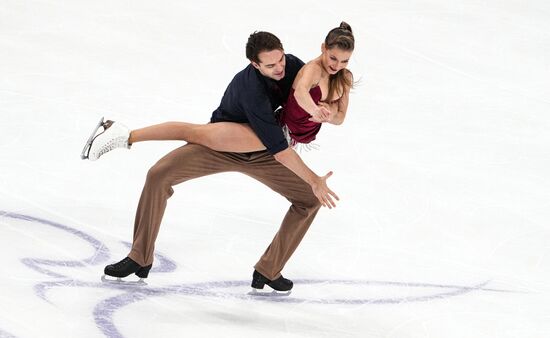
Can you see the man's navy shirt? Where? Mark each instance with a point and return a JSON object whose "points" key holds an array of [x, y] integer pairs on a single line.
{"points": [[252, 98]]}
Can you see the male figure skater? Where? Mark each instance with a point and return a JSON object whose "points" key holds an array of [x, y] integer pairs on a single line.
{"points": [[252, 97]]}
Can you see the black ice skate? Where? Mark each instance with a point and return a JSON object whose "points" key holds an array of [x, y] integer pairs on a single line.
{"points": [[126, 267], [279, 284]]}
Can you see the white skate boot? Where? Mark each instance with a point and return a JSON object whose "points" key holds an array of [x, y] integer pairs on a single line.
{"points": [[114, 135]]}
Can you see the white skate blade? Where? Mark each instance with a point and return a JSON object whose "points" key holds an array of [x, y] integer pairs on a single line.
{"points": [[86, 150], [273, 293], [119, 281]]}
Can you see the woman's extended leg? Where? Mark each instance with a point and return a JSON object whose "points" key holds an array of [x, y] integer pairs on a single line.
{"points": [[220, 136]]}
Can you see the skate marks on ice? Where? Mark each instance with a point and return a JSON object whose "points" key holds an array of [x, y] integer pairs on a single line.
{"points": [[101, 255], [4, 334], [101, 252], [105, 311], [327, 292]]}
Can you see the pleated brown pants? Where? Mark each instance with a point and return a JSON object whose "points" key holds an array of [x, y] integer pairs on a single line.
{"points": [[193, 161]]}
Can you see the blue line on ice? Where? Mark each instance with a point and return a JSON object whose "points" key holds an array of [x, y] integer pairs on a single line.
{"points": [[134, 292]]}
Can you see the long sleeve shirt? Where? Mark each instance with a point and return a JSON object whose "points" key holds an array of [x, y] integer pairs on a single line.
{"points": [[253, 98]]}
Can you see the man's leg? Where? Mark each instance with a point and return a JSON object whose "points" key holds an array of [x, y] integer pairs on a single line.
{"points": [[297, 220], [192, 161], [185, 163]]}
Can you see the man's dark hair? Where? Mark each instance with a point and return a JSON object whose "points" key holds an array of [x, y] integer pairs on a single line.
{"points": [[261, 42]]}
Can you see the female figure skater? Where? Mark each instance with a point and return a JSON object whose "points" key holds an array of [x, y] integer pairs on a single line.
{"points": [[320, 94]]}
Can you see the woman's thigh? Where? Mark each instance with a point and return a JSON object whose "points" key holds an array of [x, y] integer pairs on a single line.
{"points": [[230, 137]]}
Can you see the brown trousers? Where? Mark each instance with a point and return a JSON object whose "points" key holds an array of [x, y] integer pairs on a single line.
{"points": [[192, 161]]}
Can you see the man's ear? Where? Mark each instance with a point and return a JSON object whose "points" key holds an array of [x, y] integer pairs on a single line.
{"points": [[323, 47], [255, 65]]}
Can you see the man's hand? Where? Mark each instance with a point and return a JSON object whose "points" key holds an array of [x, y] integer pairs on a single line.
{"points": [[323, 192], [290, 159]]}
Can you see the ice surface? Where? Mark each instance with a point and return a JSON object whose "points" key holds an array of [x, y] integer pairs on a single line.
{"points": [[442, 168]]}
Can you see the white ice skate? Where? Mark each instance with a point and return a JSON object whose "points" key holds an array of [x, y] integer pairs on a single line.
{"points": [[114, 135]]}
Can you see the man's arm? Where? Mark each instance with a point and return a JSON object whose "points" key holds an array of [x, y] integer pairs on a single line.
{"points": [[290, 159], [258, 110]]}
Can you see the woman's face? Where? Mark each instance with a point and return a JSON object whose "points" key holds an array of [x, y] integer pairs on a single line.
{"points": [[335, 59]]}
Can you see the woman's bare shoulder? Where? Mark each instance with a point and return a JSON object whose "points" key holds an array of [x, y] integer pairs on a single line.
{"points": [[310, 72], [313, 67]]}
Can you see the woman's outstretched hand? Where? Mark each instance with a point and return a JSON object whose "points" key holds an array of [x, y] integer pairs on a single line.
{"points": [[323, 192]]}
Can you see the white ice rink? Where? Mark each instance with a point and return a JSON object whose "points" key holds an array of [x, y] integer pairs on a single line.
{"points": [[442, 167]]}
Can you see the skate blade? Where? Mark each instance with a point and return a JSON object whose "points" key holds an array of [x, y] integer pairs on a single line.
{"points": [[273, 293], [120, 281], [86, 150]]}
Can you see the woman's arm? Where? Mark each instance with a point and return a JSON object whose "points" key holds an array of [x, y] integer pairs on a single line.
{"points": [[309, 76], [337, 110]]}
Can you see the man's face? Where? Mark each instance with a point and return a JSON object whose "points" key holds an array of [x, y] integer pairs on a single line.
{"points": [[272, 64]]}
